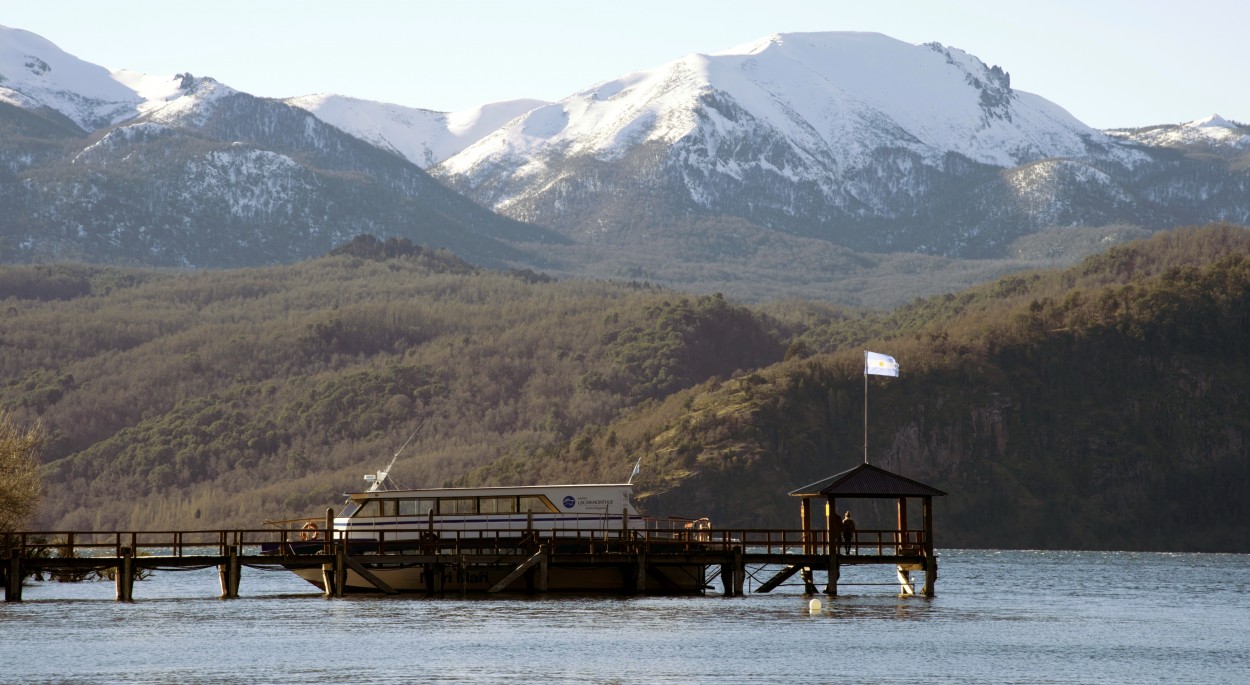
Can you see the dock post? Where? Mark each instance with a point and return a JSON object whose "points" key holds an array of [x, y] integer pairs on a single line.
{"points": [[640, 580], [835, 573], [906, 586], [930, 557], [727, 577], [13, 575], [809, 582], [229, 573], [125, 575], [327, 578], [340, 569], [740, 571], [545, 550], [930, 574]]}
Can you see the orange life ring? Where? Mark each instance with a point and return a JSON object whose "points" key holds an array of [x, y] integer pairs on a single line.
{"points": [[309, 532]]}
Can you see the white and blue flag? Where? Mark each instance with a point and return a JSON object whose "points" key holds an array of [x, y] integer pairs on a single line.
{"points": [[879, 365]]}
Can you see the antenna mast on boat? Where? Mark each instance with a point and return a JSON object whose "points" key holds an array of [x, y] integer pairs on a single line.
{"points": [[379, 479]]}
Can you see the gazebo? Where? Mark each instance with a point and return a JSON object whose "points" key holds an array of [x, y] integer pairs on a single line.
{"points": [[908, 549]]}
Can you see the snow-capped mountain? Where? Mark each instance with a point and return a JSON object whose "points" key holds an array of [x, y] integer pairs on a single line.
{"points": [[112, 165], [34, 73], [837, 96], [423, 137], [791, 147], [1214, 131], [853, 137]]}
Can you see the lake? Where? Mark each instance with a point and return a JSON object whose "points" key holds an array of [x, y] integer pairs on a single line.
{"points": [[998, 617]]}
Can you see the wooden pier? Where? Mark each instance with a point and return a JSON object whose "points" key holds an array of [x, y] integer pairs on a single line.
{"points": [[633, 561]]}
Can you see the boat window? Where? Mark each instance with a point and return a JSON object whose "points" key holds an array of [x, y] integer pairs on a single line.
{"points": [[376, 507], [416, 507], [497, 505], [534, 503], [350, 509], [457, 505]]}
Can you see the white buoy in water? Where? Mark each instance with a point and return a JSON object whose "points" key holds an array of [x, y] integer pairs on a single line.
{"points": [[813, 607]]}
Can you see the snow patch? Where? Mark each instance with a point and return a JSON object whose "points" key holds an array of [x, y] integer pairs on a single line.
{"points": [[118, 137], [423, 137], [252, 182]]}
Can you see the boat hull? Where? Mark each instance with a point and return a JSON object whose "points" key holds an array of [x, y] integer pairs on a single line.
{"points": [[593, 578]]}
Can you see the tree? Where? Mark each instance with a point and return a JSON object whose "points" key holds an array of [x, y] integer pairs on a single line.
{"points": [[20, 483]]}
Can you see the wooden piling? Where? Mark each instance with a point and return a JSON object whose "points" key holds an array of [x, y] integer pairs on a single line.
{"points": [[833, 531], [327, 578], [640, 575], [229, 573], [727, 578], [436, 577], [930, 574], [835, 574], [340, 569], [545, 551], [740, 571], [930, 558], [809, 582], [13, 574], [906, 586], [125, 574]]}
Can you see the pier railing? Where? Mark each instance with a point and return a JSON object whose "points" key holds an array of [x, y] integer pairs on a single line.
{"points": [[673, 557], [179, 543]]}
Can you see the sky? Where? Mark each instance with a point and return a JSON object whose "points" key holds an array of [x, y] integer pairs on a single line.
{"points": [[1111, 63]]}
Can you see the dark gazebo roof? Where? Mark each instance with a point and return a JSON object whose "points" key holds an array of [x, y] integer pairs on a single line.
{"points": [[867, 480]]}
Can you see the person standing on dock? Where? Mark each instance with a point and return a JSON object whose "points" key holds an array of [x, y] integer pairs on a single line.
{"points": [[848, 531], [835, 528]]}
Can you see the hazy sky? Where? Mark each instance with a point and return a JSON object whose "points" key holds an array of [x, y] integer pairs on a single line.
{"points": [[1110, 63]]}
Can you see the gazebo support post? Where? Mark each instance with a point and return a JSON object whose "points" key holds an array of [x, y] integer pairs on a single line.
{"points": [[831, 548]]}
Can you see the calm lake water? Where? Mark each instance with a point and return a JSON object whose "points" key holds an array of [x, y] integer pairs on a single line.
{"points": [[998, 617]]}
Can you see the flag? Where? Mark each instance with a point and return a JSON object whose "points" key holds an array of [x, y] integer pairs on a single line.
{"points": [[879, 365], [637, 468]]}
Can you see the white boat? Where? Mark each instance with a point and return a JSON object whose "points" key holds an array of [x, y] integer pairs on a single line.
{"points": [[545, 508], [443, 539]]}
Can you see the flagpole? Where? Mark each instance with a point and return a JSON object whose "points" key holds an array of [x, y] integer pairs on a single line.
{"points": [[881, 365], [865, 414]]}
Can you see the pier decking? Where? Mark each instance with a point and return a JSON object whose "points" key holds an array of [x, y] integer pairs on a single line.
{"points": [[625, 561]]}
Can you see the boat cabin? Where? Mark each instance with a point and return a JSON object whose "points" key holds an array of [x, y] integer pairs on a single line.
{"points": [[537, 507]]}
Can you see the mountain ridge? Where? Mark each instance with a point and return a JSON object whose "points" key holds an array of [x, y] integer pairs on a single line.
{"points": [[196, 173], [730, 163]]}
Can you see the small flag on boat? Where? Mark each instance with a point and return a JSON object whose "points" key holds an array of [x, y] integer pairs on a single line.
{"points": [[637, 468], [879, 365]]}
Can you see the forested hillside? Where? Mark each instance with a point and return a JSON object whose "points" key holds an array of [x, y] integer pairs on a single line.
{"points": [[1098, 406], [227, 397], [1103, 406]]}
